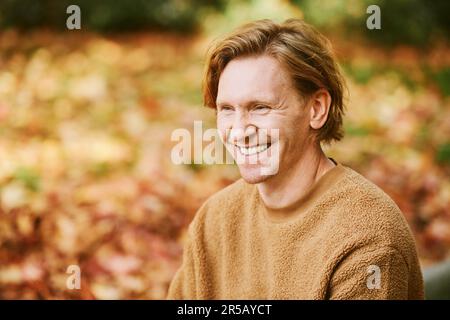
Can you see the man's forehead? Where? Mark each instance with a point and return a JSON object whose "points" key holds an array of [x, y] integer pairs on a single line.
{"points": [[264, 70], [253, 78]]}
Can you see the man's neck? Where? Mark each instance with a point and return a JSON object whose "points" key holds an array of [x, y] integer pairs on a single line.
{"points": [[282, 191]]}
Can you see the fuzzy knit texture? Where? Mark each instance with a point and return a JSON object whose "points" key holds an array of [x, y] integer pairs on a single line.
{"points": [[324, 246]]}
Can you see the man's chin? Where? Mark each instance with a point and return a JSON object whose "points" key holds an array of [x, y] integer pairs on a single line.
{"points": [[253, 175]]}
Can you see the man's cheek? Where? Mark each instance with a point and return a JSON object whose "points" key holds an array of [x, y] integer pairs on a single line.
{"points": [[222, 132], [224, 135], [272, 155]]}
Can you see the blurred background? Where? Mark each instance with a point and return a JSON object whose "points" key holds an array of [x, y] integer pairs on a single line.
{"points": [[86, 117]]}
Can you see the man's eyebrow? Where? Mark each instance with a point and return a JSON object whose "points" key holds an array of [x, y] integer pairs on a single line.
{"points": [[221, 104], [248, 103]]}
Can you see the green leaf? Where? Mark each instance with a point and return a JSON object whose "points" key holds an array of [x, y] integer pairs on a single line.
{"points": [[28, 177]]}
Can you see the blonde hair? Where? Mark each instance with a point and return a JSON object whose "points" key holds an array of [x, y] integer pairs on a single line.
{"points": [[305, 53]]}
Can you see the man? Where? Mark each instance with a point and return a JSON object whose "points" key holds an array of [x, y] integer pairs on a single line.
{"points": [[313, 228]]}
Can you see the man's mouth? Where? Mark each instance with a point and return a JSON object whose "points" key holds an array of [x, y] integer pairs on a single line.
{"points": [[248, 151]]}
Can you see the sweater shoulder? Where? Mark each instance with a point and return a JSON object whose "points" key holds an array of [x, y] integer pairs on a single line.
{"points": [[365, 212], [222, 204], [368, 199], [234, 193]]}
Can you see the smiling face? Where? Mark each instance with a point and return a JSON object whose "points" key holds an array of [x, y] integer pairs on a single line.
{"points": [[260, 116]]}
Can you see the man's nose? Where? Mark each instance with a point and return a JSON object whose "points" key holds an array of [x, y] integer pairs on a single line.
{"points": [[242, 130]]}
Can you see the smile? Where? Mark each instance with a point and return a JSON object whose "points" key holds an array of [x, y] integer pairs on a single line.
{"points": [[248, 151]]}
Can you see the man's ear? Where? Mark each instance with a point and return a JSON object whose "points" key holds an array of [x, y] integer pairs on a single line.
{"points": [[320, 103]]}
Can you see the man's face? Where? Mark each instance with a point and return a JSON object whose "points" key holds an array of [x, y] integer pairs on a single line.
{"points": [[256, 96]]}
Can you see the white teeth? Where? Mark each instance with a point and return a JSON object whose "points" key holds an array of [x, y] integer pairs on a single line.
{"points": [[252, 150]]}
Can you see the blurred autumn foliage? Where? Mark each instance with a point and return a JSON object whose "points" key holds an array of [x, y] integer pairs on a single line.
{"points": [[85, 166], [85, 170]]}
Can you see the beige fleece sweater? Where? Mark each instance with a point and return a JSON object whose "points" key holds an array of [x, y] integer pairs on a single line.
{"points": [[344, 239]]}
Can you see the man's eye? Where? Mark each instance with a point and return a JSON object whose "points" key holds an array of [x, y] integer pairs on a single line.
{"points": [[261, 107], [226, 108]]}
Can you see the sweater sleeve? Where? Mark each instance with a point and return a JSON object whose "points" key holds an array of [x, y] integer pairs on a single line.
{"points": [[185, 283], [370, 273]]}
